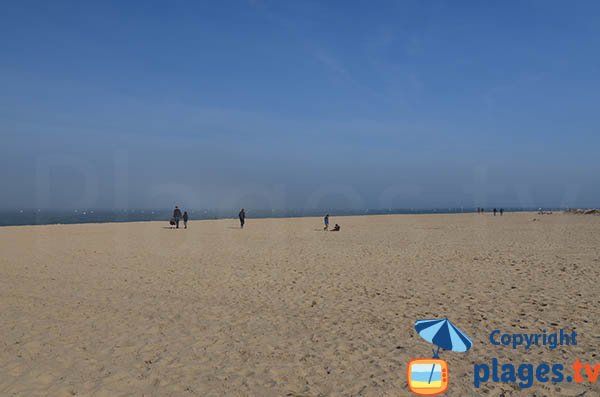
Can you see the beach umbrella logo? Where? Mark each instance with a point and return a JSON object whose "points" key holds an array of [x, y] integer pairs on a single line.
{"points": [[429, 376]]}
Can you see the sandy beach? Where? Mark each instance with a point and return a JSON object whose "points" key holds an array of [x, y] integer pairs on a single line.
{"points": [[282, 308]]}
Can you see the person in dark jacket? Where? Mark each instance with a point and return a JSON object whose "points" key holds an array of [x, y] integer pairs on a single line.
{"points": [[326, 222], [242, 216], [177, 216], [185, 219]]}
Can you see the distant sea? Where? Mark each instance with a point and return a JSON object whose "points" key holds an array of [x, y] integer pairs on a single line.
{"points": [[49, 217]]}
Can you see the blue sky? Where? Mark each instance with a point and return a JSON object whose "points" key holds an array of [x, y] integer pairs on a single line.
{"points": [[404, 104]]}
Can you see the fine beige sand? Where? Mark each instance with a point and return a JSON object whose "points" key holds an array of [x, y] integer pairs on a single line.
{"points": [[282, 308]]}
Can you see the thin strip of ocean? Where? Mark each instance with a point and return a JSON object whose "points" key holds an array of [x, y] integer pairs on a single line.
{"points": [[48, 217]]}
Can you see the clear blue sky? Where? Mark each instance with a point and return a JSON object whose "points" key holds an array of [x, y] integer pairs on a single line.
{"points": [[271, 104]]}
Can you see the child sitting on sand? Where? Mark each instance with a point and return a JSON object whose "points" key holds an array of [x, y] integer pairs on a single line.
{"points": [[336, 228]]}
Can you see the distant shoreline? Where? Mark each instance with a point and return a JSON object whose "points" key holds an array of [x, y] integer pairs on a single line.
{"points": [[164, 217]]}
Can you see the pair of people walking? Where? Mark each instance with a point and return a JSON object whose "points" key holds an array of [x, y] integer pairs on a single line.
{"points": [[481, 211], [177, 216]]}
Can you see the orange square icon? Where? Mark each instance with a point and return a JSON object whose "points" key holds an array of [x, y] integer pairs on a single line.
{"points": [[427, 376]]}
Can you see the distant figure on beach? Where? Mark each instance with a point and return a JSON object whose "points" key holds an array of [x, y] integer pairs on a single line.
{"points": [[501, 211], [177, 216], [185, 219], [336, 228], [495, 212], [326, 221], [242, 216]]}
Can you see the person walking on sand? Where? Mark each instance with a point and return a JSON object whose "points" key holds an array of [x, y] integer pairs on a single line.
{"points": [[501, 211], [242, 216], [177, 216], [494, 212], [326, 221], [185, 219]]}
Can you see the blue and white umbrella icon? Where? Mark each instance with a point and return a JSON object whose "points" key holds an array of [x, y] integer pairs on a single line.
{"points": [[442, 333]]}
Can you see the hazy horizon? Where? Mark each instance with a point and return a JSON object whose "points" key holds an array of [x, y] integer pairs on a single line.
{"points": [[299, 105], [45, 217]]}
